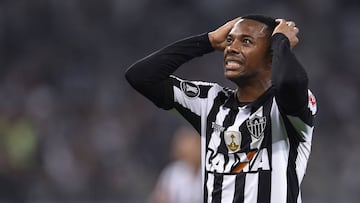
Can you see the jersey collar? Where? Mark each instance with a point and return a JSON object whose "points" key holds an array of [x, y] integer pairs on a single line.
{"points": [[233, 103]]}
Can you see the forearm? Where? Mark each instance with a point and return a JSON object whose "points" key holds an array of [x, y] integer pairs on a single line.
{"points": [[288, 76], [150, 75]]}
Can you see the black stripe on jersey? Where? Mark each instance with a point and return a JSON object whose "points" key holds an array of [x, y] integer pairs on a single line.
{"points": [[191, 117], [219, 99], [176, 81], [292, 179], [216, 195], [264, 186], [267, 142], [218, 179], [260, 101], [245, 137], [204, 90], [239, 188]]}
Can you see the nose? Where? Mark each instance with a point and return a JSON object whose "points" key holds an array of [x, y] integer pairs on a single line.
{"points": [[233, 48]]}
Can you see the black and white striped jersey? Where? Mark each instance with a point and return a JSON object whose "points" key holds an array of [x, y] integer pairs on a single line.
{"points": [[250, 153], [254, 152]]}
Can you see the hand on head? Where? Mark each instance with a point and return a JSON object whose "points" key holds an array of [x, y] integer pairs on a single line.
{"points": [[289, 29], [218, 37]]}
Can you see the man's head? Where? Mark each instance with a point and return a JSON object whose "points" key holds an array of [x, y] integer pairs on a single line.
{"points": [[247, 56], [269, 21], [186, 146]]}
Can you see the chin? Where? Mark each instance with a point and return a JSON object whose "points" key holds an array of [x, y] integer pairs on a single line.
{"points": [[237, 79], [231, 75]]}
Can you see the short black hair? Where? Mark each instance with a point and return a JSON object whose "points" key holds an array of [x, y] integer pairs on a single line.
{"points": [[267, 20]]}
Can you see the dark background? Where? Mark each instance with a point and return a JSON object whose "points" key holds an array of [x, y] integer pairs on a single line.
{"points": [[73, 130]]}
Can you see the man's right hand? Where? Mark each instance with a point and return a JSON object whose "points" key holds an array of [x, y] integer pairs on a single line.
{"points": [[218, 37]]}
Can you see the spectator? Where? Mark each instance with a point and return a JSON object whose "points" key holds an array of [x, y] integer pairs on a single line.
{"points": [[180, 181]]}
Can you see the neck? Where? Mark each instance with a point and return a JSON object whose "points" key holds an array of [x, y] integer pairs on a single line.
{"points": [[251, 91]]}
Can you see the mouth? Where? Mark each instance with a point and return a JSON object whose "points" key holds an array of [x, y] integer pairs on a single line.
{"points": [[232, 64]]}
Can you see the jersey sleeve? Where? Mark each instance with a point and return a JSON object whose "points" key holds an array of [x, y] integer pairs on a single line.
{"points": [[151, 75], [296, 102], [192, 97], [304, 122]]}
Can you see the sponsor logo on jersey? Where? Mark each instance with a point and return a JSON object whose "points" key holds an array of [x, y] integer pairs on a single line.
{"points": [[256, 126], [232, 141], [190, 89], [217, 127]]}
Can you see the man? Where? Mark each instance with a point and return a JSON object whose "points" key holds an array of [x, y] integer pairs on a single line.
{"points": [[256, 139]]}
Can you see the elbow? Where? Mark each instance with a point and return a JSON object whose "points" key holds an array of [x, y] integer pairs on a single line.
{"points": [[129, 76], [132, 77]]}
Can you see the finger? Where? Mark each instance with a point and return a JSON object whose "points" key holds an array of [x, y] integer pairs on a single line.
{"points": [[291, 23], [236, 19], [296, 29], [232, 22], [280, 20]]}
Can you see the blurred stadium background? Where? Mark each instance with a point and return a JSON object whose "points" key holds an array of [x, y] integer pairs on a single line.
{"points": [[72, 129]]}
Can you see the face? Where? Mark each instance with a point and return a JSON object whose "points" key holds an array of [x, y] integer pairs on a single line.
{"points": [[246, 55]]}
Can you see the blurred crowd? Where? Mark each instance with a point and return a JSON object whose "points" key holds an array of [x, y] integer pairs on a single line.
{"points": [[72, 129]]}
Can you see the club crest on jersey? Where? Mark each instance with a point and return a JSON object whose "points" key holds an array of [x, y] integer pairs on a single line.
{"points": [[232, 140], [190, 89], [256, 126]]}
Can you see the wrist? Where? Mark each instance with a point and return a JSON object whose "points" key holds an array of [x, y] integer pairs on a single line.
{"points": [[211, 39]]}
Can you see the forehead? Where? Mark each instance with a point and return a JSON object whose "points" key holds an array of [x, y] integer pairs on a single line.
{"points": [[249, 27]]}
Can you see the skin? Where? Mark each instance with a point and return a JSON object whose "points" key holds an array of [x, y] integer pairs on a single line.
{"points": [[247, 60]]}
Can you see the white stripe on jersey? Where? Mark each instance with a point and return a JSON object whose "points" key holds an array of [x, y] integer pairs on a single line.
{"points": [[210, 186], [302, 128], [299, 200], [213, 91], [251, 187], [215, 142], [228, 188], [280, 155], [193, 104], [304, 148], [240, 118]]}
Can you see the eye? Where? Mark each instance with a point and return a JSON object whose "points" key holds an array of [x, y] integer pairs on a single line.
{"points": [[247, 41], [229, 39]]}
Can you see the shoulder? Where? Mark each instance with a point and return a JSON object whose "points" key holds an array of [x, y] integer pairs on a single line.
{"points": [[202, 89]]}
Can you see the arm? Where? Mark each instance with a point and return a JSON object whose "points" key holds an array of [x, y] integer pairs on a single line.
{"points": [[150, 75], [288, 75]]}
